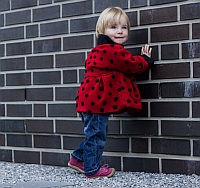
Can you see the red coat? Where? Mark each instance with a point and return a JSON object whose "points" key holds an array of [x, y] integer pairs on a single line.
{"points": [[109, 85]]}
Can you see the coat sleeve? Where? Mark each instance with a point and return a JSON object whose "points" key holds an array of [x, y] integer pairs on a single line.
{"points": [[129, 64]]}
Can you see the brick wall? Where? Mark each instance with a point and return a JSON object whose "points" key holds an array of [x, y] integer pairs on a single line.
{"points": [[43, 47]]}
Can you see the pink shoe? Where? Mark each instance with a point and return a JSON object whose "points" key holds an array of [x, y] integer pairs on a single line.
{"points": [[104, 171], [76, 165]]}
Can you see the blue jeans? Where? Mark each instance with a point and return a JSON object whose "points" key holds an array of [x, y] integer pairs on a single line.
{"points": [[91, 148]]}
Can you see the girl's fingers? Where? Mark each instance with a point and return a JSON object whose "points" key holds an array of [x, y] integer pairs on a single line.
{"points": [[146, 47], [150, 50], [146, 50], [142, 50]]}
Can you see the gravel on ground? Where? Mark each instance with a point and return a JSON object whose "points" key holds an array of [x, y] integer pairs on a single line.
{"points": [[15, 173]]}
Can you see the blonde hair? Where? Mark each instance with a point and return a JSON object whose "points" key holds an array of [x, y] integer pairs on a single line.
{"points": [[110, 15]]}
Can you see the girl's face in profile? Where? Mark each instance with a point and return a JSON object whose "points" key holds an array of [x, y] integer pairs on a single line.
{"points": [[118, 32]]}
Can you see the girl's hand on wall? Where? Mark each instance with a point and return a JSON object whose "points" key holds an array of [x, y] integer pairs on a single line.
{"points": [[146, 50]]}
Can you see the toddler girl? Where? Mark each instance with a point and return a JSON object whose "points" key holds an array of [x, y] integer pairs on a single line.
{"points": [[109, 87]]}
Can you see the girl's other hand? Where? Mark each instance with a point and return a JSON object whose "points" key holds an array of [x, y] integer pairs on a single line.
{"points": [[146, 50]]}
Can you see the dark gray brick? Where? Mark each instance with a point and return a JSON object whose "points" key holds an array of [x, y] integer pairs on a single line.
{"points": [[81, 75], [196, 109], [196, 68], [1, 20], [12, 125], [180, 89], [196, 147], [48, 45], [139, 36], [170, 51], [153, 91], [170, 109], [138, 3], [177, 166], [54, 28], [70, 60], [170, 33], [170, 146], [32, 31], [65, 93], [70, 143], [100, 5], [83, 24], [133, 18], [8, 95], [139, 145], [140, 127], [190, 11], [20, 17], [2, 52], [159, 15], [171, 71], [47, 13], [28, 157], [20, 48], [40, 62], [2, 140], [141, 164], [12, 33], [47, 78], [77, 8], [2, 110], [160, 2], [17, 4], [180, 128], [55, 159], [5, 155], [59, 1], [39, 110], [61, 110], [39, 126], [78, 42], [19, 140], [69, 76], [195, 30], [113, 127], [39, 94], [19, 110], [4, 5], [18, 79], [117, 145], [13, 64], [191, 50], [44, 2], [69, 126], [47, 141], [2, 80]]}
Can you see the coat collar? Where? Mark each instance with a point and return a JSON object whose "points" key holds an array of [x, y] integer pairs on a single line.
{"points": [[104, 39]]}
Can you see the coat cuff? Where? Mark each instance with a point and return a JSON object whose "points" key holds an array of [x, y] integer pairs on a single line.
{"points": [[149, 60]]}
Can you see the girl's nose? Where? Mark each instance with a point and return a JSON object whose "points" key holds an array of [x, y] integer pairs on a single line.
{"points": [[119, 30]]}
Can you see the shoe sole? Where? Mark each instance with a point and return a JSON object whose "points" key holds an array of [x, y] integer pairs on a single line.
{"points": [[108, 176], [76, 168]]}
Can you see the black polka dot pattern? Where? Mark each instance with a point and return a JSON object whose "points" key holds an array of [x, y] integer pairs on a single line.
{"points": [[101, 110], [111, 61]]}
